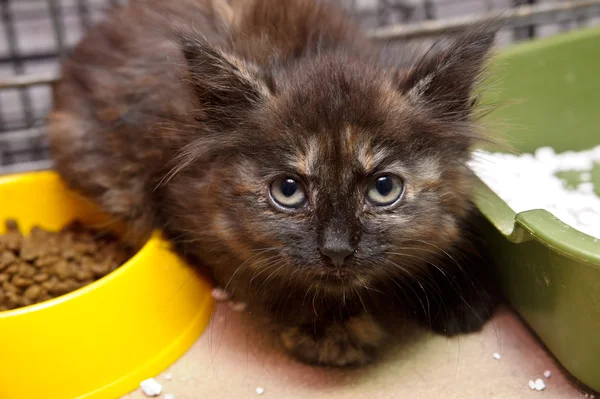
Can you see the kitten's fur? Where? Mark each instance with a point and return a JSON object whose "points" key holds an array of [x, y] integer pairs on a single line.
{"points": [[179, 114]]}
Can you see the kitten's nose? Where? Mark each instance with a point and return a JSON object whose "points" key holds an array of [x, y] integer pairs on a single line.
{"points": [[337, 253]]}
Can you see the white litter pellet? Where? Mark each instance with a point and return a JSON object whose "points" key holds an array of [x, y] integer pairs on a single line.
{"points": [[169, 396], [151, 387], [547, 374], [168, 376], [529, 181], [539, 384], [237, 306], [586, 188], [496, 356], [219, 294], [531, 384], [545, 154], [260, 390], [586, 176]]}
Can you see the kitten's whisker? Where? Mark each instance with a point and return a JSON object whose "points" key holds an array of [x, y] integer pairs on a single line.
{"points": [[369, 288], [428, 312], [419, 258], [459, 267], [262, 267], [453, 286], [266, 249], [437, 267], [408, 285], [361, 301], [271, 275], [241, 265], [442, 250], [306, 293], [313, 303], [463, 270]]}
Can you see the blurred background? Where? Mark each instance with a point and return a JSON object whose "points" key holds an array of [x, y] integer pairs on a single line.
{"points": [[35, 34]]}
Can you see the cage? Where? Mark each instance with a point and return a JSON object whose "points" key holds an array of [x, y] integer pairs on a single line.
{"points": [[35, 34]]}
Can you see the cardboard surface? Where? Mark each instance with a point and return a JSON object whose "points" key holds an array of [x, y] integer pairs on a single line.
{"points": [[231, 361]]}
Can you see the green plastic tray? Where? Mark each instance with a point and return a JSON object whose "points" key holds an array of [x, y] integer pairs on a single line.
{"points": [[550, 272]]}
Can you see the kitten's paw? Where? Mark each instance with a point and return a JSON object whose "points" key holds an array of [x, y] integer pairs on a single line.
{"points": [[350, 343], [464, 317]]}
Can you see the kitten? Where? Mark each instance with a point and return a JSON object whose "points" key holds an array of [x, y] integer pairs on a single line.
{"points": [[322, 180]]}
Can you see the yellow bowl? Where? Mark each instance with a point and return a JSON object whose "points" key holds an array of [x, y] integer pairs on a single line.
{"points": [[103, 339]]}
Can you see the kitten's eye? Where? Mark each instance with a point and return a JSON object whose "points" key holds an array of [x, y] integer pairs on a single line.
{"points": [[385, 190], [288, 192]]}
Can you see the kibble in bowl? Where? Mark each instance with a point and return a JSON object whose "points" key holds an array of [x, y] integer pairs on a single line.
{"points": [[83, 314], [44, 264]]}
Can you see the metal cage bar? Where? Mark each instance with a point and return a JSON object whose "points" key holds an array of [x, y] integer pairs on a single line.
{"points": [[35, 34]]}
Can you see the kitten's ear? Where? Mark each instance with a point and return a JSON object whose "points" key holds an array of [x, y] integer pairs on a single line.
{"points": [[444, 78], [224, 84]]}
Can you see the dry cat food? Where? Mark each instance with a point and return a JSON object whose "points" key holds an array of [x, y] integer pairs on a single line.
{"points": [[48, 264]]}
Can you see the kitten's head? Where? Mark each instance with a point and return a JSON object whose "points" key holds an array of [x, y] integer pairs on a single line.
{"points": [[329, 171]]}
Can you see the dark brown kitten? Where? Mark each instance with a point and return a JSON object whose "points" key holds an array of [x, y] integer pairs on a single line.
{"points": [[322, 180]]}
